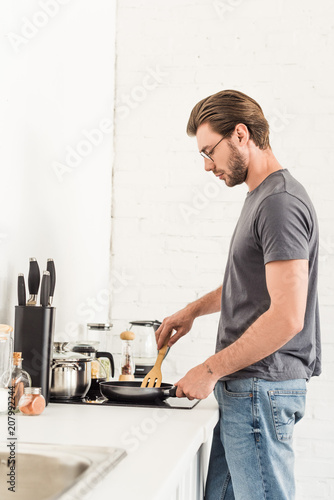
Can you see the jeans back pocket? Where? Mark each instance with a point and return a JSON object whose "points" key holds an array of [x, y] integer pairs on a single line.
{"points": [[287, 407]]}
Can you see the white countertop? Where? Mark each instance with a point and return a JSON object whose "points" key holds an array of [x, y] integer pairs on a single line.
{"points": [[159, 442]]}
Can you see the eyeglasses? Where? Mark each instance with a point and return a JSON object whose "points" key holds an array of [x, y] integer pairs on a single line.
{"points": [[207, 155]]}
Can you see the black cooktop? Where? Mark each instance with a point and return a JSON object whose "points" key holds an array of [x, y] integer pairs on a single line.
{"points": [[175, 403]]}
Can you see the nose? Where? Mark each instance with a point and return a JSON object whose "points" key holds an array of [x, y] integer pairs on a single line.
{"points": [[208, 165]]}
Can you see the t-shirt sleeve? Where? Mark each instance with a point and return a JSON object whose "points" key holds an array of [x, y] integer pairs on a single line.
{"points": [[282, 228]]}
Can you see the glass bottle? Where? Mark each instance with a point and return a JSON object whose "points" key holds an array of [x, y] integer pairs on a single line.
{"points": [[20, 379], [127, 364], [32, 402]]}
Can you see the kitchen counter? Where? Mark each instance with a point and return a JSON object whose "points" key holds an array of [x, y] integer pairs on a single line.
{"points": [[161, 444]]}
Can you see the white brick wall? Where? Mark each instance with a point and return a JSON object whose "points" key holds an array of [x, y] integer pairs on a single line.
{"points": [[173, 221]]}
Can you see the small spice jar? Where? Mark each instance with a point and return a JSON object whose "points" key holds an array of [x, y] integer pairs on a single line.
{"points": [[127, 364], [32, 402]]}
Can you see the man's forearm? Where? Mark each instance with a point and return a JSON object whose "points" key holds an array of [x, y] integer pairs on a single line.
{"points": [[266, 335], [208, 304]]}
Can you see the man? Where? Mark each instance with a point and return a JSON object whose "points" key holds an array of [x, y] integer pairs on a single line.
{"points": [[268, 342]]}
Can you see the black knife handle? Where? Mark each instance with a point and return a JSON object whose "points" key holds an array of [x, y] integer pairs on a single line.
{"points": [[50, 266], [21, 290], [33, 277], [45, 289]]}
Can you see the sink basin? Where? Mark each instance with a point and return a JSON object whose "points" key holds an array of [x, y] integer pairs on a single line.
{"points": [[50, 472]]}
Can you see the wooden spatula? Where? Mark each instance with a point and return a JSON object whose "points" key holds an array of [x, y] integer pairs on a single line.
{"points": [[154, 376]]}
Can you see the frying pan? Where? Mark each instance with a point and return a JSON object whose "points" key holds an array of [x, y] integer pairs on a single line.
{"points": [[131, 392]]}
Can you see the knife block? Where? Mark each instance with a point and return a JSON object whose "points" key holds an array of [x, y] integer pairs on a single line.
{"points": [[33, 336]]}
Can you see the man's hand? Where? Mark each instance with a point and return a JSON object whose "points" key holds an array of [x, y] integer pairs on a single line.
{"points": [[181, 321], [198, 383]]}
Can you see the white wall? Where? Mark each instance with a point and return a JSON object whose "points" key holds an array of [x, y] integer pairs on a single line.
{"points": [[173, 221], [57, 86]]}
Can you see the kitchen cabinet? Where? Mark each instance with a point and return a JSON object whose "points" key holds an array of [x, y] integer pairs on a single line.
{"points": [[167, 449]]}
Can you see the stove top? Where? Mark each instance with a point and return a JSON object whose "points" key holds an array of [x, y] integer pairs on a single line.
{"points": [[175, 403]]}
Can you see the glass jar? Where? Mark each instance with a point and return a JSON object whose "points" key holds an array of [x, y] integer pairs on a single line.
{"points": [[20, 379], [99, 368], [32, 402], [99, 332], [98, 335], [127, 363]]}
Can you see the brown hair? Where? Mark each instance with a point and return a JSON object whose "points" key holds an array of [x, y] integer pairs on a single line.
{"points": [[224, 110]]}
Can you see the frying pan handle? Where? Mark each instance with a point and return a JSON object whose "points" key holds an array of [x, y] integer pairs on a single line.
{"points": [[171, 393]]}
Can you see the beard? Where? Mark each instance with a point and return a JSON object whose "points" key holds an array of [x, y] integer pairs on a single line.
{"points": [[237, 166]]}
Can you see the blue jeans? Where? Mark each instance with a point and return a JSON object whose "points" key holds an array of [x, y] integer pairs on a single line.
{"points": [[251, 455]]}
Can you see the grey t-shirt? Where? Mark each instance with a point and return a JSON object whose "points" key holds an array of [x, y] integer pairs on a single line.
{"points": [[277, 222]]}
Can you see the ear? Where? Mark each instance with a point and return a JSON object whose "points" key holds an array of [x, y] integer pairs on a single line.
{"points": [[242, 134]]}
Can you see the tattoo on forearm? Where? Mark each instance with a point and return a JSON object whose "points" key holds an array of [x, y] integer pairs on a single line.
{"points": [[208, 368]]}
